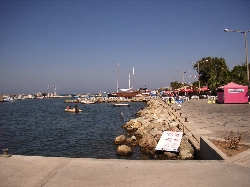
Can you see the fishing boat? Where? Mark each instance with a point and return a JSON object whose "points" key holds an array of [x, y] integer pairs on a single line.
{"points": [[87, 102], [72, 110], [127, 93], [122, 104], [20, 97], [8, 99]]}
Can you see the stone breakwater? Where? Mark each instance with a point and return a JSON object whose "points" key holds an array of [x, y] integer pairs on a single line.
{"points": [[146, 130], [107, 99]]}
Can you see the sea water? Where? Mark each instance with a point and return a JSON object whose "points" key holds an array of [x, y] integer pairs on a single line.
{"points": [[41, 127]]}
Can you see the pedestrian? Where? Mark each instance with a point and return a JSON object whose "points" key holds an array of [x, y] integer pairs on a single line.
{"points": [[170, 100]]}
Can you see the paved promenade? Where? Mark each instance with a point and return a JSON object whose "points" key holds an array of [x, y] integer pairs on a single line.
{"points": [[216, 120], [203, 119]]}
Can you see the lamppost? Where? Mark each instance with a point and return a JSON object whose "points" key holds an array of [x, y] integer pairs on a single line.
{"points": [[183, 75], [199, 74], [245, 36]]}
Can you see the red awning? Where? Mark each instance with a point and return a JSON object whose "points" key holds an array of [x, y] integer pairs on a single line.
{"points": [[205, 88], [186, 90]]}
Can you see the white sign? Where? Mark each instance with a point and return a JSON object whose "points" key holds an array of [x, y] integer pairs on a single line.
{"points": [[169, 141], [235, 90]]}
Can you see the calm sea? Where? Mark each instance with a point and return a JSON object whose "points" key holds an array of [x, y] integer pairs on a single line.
{"points": [[41, 127]]}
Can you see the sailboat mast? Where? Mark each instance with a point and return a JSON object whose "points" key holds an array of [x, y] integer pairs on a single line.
{"points": [[129, 80], [133, 78], [117, 78]]}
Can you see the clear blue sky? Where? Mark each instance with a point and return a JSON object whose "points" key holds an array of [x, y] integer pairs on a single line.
{"points": [[76, 45]]}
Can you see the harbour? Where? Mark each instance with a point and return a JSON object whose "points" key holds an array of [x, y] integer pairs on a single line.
{"points": [[41, 127]]}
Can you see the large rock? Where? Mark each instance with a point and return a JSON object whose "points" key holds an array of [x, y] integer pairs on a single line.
{"points": [[120, 139], [132, 141], [132, 125], [171, 155], [124, 150], [155, 132], [148, 143], [186, 151]]}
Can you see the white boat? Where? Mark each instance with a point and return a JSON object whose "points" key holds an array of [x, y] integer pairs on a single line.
{"points": [[87, 102], [122, 104], [20, 97], [73, 110], [8, 99]]}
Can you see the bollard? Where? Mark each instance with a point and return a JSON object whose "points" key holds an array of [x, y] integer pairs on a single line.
{"points": [[6, 153], [186, 119]]}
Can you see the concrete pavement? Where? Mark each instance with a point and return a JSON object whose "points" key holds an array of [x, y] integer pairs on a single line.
{"points": [[203, 119], [47, 171]]}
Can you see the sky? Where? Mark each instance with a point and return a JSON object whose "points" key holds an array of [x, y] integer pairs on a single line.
{"points": [[76, 45]]}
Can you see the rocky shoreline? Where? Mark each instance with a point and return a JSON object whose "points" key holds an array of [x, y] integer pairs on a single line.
{"points": [[146, 130]]}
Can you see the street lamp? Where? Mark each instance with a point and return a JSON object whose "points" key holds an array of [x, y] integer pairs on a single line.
{"points": [[245, 36], [183, 75], [199, 74]]}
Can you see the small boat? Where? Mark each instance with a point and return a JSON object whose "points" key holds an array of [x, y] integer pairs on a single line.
{"points": [[121, 104], [87, 102], [20, 97], [73, 110], [8, 99]]}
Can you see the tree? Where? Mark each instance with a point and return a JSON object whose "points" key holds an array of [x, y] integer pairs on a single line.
{"points": [[238, 74], [175, 85], [213, 72]]}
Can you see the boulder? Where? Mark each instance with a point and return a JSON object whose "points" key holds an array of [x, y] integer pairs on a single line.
{"points": [[155, 131], [131, 141], [120, 139], [171, 155], [148, 143], [186, 155], [124, 150], [186, 151]]}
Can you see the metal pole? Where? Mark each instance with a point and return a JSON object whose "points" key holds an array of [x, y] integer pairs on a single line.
{"points": [[117, 87], [245, 36], [199, 76], [129, 80]]}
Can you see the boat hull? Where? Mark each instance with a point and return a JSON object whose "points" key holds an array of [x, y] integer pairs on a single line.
{"points": [[125, 94], [121, 104], [87, 102], [73, 110]]}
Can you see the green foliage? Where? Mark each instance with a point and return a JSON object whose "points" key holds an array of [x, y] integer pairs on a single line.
{"points": [[238, 74], [214, 72], [175, 85]]}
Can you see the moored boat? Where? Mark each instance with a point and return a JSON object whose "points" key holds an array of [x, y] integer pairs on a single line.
{"points": [[127, 93], [8, 99], [122, 104], [87, 102]]}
